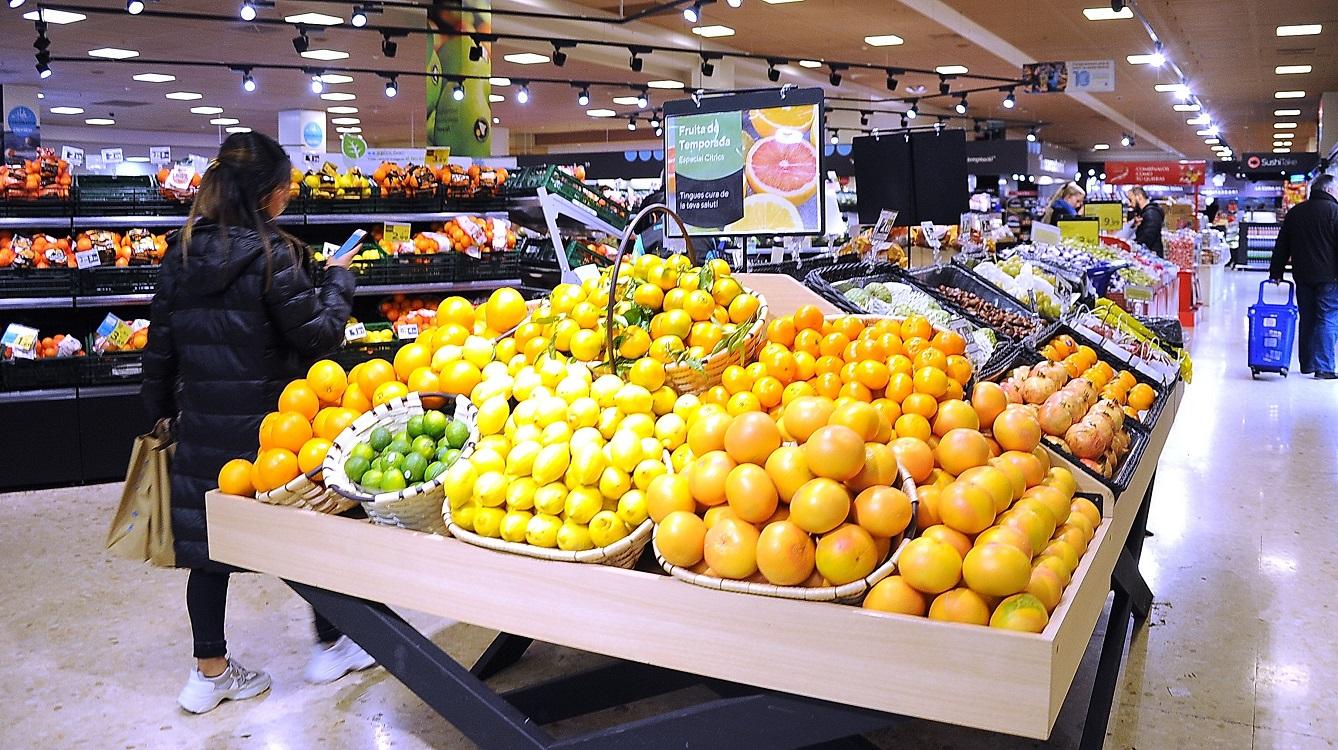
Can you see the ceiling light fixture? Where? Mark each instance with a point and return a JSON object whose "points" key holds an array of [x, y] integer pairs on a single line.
{"points": [[884, 40], [1188, 107], [499, 81], [667, 83], [301, 43], [635, 62], [134, 7], [59, 17], [317, 85], [237, 129], [392, 88], [1101, 147], [66, 110], [113, 53], [1108, 14], [583, 98], [835, 77], [600, 113], [836, 138], [1126, 140], [892, 74], [1211, 141], [1285, 125], [712, 32], [961, 105], [1286, 70], [153, 77], [1288, 94], [248, 11], [342, 110], [708, 67], [691, 14], [389, 46], [559, 57], [458, 92], [359, 17], [314, 19], [773, 73], [43, 53], [1199, 120], [1286, 112], [248, 81], [221, 121], [183, 96], [913, 111], [643, 99], [1031, 135], [99, 121], [631, 123], [206, 110], [1010, 101], [1305, 29], [523, 96], [943, 86], [345, 121], [338, 96]]}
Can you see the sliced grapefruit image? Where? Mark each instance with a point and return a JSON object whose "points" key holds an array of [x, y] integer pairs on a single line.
{"points": [[765, 213], [783, 167]]}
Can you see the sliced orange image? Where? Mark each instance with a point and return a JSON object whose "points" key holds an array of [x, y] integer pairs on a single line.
{"points": [[767, 121]]}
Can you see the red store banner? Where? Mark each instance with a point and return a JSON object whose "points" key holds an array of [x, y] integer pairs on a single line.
{"points": [[1156, 172]]}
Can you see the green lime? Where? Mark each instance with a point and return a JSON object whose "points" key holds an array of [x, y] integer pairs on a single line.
{"points": [[452, 456], [399, 446], [457, 433], [379, 439], [414, 466], [424, 445], [434, 424], [378, 463], [442, 452], [393, 482], [364, 450], [415, 426], [355, 467], [393, 460], [371, 480], [402, 435], [433, 471]]}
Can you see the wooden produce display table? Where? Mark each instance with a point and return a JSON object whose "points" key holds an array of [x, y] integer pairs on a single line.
{"points": [[784, 294]]}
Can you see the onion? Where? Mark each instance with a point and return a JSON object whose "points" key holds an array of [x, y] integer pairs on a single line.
{"points": [[1084, 390], [1055, 417], [1094, 466], [1012, 391], [1052, 371], [1086, 440], [1036, 389]]}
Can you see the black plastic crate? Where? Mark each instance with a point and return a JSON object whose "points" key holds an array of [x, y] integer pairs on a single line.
{"points": [[55, 208], [36, 282], [930, 278], [1169, 330], [796, 269], [105, 280], [491, 266], [407, 269], [130, 195], [1154, 412], [112, 368], [38, 374], [355, 353]]}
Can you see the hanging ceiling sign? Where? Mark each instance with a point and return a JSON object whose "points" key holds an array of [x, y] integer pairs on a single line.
{"points": [[1156, 172], [1090, 76], [1293, 163]]}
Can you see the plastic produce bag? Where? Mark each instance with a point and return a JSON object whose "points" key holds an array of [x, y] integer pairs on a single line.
{"points": [[141, 530]]}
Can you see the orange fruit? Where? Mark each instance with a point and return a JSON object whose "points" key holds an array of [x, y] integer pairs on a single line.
{"points": [[827, 364], [785, 553], [922, 404], [273, 469], [707, 475], [736, 379], [807, 341], [681, 538], [949, 536], [966, 507], [1023, 612], [388, 392], [994, 481], [808, 316], [833, 344], [931, 381], [828, 385], [960, 605], [1033, 471], [751, 493], [290, 431], [954, 414], [835, 452], [312, 454], [959, 369], [301, 398], [1017, 429], [458, 377], [328, 380], [355, 400], [912, 426], [410, 357], [805, 415], [1045, 585], [930, 357], [781, 331], [714, 515], [914, 455], [961, 449], [820, 505], [929, 566], [716, 394], [916, 326], [235, 478], [788, 471], [872, 374], [331, 421], [504, 310], [751, 438], [858, 416], [893, 594], [424, 380], [372, 374], [769, 391], [846, 554], [707, 433], [796, 391], [882, 511], [949, 342], [1142, 396], [267, 430], [1087, 508], [457, 310], [667, 493], [996, 569], [731, 548]]}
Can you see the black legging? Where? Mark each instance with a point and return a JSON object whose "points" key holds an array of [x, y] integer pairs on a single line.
{"points": [[206, 601]]}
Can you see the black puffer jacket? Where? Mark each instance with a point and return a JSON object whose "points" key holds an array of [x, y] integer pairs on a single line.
{"points": [[222, 345], [1309, 241]]}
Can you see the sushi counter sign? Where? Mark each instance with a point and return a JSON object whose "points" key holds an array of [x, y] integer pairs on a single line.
{"points": [[746, 164]]}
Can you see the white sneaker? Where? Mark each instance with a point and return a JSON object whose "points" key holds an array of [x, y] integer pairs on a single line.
{"points": [[328, 664], [236, 683]]}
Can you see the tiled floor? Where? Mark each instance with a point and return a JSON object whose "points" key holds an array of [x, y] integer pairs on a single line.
{"points": [[1238, 652]]}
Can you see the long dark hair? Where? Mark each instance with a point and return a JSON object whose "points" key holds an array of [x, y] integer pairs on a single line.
{"points": [[248, 169]]}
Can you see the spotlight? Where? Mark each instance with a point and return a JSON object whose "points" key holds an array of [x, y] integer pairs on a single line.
{"points": [[864, 118], [15, 3], [248, 11], [914, 110], [583, 98], [1010, 101], [359, 17], [248, 81], [1117, 5], [734, 3], [835, 138], [458, 92], [905, 123], [523, 96], [43, 70], [891, 79], [392, 88], [655, 121], [961, 106], [693, 13], [1127, 140], [636, 63], [317, 86], [300, 42], [134, 7], [708, 67], [389, 46], [631, 123], [943, 85], [559, 57], [1158, 56], [773, 74], [1031, 135], [643, 100], [660, 131], [835, 77], [476, 51]]}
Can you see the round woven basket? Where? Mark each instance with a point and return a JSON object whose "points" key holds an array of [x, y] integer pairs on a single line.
{"points": [[417, 507], [850, 593], [306, 492]]}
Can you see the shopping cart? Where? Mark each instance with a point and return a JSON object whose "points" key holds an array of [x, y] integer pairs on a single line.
{"points": [[1272, 332]]}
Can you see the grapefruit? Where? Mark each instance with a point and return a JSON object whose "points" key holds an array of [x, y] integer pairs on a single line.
{"points": [[805, 415], [996, 569], [750, 492], [835, 452], [917, 458], [785, 554], [930, 566], [788, 471], [1023, 612], [962, 449], [707, 475], [883, 511], [949, 536], [893, 594], [782, 166], [960, 605], [846, 554], [751, 438], [681, 538], [820, 505], [966, 507], [731, 548]]}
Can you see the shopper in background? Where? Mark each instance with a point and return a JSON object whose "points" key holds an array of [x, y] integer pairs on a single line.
{"points": [[1148, 221], [1309, 241], [235, 317], [1067, 203]]}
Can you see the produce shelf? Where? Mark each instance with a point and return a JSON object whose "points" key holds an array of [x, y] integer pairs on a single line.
{"points": [[114, 300], [28, 303], [483, 285], [40, 374]]}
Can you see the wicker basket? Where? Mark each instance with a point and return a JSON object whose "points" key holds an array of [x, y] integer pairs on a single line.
{"points": [[417, 507], [308, 493], [684, 378], [850, 593], [621, 554]]}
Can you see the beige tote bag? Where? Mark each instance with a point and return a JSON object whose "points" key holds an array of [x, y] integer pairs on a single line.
{"points": [[142, 527]]}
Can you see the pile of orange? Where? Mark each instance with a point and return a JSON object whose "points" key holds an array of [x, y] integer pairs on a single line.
{"points": [[820, 511]]}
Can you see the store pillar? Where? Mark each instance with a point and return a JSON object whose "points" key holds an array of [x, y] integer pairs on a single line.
{"points": [[302, 134]]}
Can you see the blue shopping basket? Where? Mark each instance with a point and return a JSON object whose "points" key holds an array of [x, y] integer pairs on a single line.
{"points": [[1272, 332]]}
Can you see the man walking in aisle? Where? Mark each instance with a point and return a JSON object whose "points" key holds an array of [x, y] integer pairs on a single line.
{"points": [[1309, 241], [1148, 221]]}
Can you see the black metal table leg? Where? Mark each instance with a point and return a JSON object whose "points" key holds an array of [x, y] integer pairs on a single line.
{"points": [[505, 650], [451, 690]]}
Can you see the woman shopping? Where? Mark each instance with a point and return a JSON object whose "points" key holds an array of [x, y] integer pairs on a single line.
{"points": [[235, 317], [1067, 203]]}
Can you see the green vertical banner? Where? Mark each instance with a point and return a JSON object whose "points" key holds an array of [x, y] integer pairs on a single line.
{"points": [[464, 125], [707, 152]]}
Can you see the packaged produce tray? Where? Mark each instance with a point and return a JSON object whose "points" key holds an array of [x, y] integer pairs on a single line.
{"points": [[104, 280], [489, 266], [1169, 330], [1138, 437], [354, 353], [113, 368], [36, 374], [36, 282], [930, 278], [407, 269]]}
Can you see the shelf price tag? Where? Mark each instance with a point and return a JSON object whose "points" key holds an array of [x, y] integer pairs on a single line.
{"points": [[406, 331], [355, 332], [437, 156], [113, 155], [160, 154], [73, 155], [21, 339], [585, 273], [88, 259], [396, 232]]}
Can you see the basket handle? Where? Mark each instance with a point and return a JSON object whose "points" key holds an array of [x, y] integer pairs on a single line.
{"points": [[623, 245]]}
